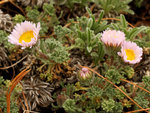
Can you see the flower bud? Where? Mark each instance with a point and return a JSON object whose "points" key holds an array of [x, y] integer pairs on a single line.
{"points": [[84, 74]]}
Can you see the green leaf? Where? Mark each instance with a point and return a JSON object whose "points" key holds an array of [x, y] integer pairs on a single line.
{"points": [[71, 107], [88, 36], [108, 105], [54, 50], [94, 54], [98, 36], [89, 11], [115, 26], [146, 80], [93, 18], [118, 107], [81, 35], [100, 51], [100, 16], [101, 27], [79, 42], [89, 49], [18, 18], [42, 46], [123, 21], [113, 75], [49, 9], [90, 23], [143, 102], [4, 40], [135, 31]]}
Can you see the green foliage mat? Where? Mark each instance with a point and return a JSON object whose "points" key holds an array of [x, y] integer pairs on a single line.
{"points": [[70, 37]]}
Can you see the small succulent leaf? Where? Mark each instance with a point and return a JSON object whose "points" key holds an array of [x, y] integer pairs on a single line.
{"points": [[89, 11], [90, 23], [135, 31], [123, 21], [100, 16]]}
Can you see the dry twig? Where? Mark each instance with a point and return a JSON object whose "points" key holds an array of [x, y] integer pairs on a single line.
{"points": [[22, 103], [14, 82], [12, 2], [138, 110], [1, 110], [136, 85], [26, 103], [3, 1], [14, 63]]}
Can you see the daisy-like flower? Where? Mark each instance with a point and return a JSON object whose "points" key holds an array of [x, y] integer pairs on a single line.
{"points": [[113, 38], [130, 52], [24, 34]]}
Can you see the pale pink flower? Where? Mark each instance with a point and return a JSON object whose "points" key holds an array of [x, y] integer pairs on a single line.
{"points": [[113, 38], [130, 52], [24, 34]]}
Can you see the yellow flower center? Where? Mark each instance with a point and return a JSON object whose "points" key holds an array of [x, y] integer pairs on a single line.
{"points": [[115, 36], [130, 54], [27, 36]]}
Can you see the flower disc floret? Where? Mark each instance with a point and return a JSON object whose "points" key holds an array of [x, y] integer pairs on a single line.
{"points": [[113, 38], [130, 52], [25, 34]]}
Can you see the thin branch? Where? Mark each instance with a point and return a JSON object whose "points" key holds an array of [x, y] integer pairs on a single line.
{"points": [[3, 1], [117, 20], [31, 111], [1, 110], [22, 104], [11, 1], [26, 103], [14, 63], [12, 86], [135, 85], [19, 75], [68, 24], [139, 110]]}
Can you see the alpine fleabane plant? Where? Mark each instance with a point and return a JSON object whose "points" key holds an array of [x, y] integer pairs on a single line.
{"points": [[24, 34], [130, 52], [113, 38]]}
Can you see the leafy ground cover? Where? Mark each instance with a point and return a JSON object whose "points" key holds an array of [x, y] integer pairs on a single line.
{"points": [[74, 56]]}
